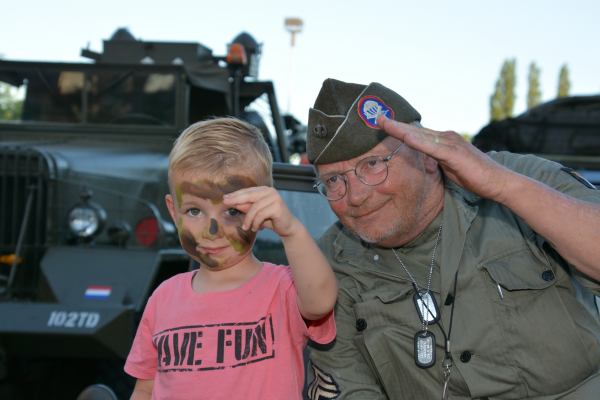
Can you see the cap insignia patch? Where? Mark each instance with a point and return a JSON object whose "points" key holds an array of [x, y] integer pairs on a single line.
{"points": [[370, 107]]}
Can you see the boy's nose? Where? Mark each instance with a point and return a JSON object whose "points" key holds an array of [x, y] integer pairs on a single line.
{"points": [[213, 229]]}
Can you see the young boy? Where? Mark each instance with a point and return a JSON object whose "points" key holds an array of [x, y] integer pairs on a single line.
{"points": [[236, 327]]}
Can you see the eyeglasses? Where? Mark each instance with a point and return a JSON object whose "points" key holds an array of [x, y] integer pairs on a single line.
{"points": [[371, 171]]}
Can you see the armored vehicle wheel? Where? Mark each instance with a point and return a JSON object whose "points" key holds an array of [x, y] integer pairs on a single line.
{"points": [[97, 392], [111, 374]]}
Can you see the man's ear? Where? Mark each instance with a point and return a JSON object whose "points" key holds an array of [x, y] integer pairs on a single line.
{"points": [[431, 165], [170, 206]]}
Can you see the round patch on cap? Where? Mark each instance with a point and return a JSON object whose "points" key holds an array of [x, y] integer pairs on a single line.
{"points": [[370, 107]]}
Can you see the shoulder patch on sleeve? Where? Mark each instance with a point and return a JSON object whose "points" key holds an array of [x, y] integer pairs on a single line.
{"points": [[323, 387], [580, 178]]}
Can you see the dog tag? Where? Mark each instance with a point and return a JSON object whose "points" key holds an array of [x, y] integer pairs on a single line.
{"points": [[426, 306], [424, 349]]}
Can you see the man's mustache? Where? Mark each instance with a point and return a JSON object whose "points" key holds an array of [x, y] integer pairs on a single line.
{"points": [[365, 209]]}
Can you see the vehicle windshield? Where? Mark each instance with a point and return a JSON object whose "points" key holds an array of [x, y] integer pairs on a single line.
{"points": [[97, 97]]}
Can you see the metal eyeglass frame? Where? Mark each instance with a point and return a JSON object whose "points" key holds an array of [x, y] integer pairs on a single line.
{"points": [[345, 179]]}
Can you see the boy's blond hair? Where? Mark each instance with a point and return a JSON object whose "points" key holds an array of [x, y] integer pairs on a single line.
{"points": [[217, 144]]}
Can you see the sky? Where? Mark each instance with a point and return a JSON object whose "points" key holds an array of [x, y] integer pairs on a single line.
{"points": [[444, 57]]}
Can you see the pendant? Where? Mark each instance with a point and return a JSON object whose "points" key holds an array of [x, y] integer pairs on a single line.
{"points": [[426, 305], [424, 349]]}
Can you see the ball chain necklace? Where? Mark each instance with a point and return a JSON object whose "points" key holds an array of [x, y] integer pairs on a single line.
{"points": [[429, 312]]}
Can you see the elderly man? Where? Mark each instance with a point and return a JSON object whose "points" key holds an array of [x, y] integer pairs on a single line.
{"points": [[460, 273]]}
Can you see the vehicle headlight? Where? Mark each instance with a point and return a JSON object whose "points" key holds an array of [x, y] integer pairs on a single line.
{"points": [[86, 220]]}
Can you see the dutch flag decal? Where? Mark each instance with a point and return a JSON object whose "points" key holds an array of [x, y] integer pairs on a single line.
{"points": [[97, 292]]}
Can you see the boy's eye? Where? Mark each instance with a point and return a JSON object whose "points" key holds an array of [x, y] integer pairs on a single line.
{"points": [[232, 212], [194, 212]]}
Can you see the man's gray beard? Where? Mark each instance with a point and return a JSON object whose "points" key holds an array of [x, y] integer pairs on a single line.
{"points": [[377, 239], [395, 229], [400, 224]]}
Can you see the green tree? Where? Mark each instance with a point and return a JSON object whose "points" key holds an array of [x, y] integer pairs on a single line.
{"points": [[11, 105], [496, 108], [564, 85], [534, 96], [503, 99]]}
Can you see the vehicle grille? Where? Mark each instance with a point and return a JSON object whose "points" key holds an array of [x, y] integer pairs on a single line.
{"points": [[24, 171]]}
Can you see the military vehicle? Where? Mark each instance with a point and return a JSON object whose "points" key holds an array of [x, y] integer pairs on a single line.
{"points": [[565, 130], [85, 236]]}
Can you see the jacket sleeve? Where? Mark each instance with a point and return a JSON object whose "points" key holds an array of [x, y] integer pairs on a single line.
{"points": [[338, 370], [561, 179]]}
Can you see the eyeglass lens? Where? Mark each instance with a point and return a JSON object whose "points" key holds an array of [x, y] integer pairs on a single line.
{"points": [[371, 171]]}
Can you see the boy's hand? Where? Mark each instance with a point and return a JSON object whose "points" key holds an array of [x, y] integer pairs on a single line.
{"points": [[263, 207]]}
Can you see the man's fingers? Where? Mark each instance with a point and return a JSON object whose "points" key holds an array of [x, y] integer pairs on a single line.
{"points": [[406, 132]]}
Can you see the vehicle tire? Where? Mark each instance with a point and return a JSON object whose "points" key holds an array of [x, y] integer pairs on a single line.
{"points": [[111, 374], [97, 392]]}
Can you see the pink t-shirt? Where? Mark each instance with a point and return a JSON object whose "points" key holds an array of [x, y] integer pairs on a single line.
{"points": [[244, 343]]}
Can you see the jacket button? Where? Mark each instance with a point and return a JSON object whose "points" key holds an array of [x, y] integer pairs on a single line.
{"points": [[361, 324], [465, 357], [548, 275], [449, 299]]}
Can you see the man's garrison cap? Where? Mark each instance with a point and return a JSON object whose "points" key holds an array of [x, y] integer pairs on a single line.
{"points": [[342, 124]]}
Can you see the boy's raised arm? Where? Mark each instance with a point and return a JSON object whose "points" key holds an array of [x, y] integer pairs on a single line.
{"points": [[313, 276]]}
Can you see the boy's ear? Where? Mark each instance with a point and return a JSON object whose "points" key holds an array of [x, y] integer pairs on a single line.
{"points": [[170, 206]]}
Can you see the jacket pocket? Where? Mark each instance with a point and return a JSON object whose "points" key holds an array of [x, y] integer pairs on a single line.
{"points": [[542, 338], [518, 269], [385, 337]]}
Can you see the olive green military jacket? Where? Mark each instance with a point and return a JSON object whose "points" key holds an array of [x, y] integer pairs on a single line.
{"points": [[525, 322]]}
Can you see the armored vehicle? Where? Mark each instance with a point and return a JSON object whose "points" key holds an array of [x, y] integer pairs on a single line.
{"points": [[565, 130], [85, 236]]}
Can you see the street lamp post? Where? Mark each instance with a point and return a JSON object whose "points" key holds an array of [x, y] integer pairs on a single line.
{"points": [[293, 25]]}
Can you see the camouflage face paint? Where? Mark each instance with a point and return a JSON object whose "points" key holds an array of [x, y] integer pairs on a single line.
{"points": [[188, 242], [214, 227], [218, 230], [212, 191], [242, 241]]}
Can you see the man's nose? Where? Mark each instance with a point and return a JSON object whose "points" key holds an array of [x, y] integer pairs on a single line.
{"points": [[357, 191]]}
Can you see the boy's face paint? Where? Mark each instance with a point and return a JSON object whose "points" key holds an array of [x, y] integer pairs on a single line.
{"points": [[210, 232], [210, 190]]}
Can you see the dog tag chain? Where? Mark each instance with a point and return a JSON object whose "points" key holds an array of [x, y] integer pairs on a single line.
{"points": [[428, 311]]}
